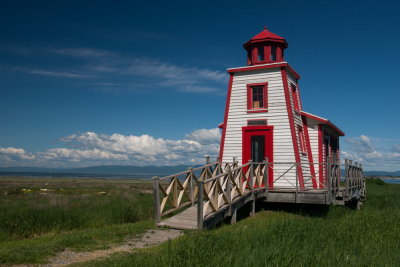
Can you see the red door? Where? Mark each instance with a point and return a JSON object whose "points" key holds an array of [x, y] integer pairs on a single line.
{"points": [[257, 143]]}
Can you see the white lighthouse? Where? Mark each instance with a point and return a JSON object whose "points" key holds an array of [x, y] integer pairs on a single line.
{"points": [[264, 118]]}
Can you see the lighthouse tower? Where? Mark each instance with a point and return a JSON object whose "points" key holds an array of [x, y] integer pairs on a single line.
{"points": [[264, 118]]}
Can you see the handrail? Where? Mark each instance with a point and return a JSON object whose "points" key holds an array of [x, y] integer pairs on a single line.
{"points": [[217, 184]]}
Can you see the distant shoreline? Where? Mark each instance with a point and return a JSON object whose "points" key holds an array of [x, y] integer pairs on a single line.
{"points": [[78, 175]]}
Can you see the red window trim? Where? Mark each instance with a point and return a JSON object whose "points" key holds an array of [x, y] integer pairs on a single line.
{"points": [[303, 146], [250, 109], [295, 96]]}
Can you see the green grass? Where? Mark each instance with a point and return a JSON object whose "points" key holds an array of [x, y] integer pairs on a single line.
{"points": [[40, 217], [39, 249], [308, 236]]}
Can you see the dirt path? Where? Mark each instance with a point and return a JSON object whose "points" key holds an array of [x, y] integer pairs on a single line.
{"points": [[150, 238]]}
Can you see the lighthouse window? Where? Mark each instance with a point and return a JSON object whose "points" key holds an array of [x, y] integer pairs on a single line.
{"points": [[273, 53], [258, 100], [257, 97], [260, 53]]}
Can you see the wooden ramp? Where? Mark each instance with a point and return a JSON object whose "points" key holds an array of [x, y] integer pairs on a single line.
{"points": [[203, 197], [187, 220]]}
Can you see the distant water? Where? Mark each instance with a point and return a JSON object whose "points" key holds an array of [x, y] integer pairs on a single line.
{"points": [[75, 175], [392, 181]]}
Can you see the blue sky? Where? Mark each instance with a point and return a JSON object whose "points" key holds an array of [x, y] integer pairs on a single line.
{"points": [[144, 82]]}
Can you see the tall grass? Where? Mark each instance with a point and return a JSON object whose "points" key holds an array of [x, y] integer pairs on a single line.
{"points": [[31, 213], [311, 236]]}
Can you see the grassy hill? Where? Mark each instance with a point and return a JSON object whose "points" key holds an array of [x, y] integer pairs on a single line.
{"points": [[42, 217], [308, 236]]}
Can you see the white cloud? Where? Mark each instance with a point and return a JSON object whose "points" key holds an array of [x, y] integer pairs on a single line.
{"points": [[89, 148], [80, 52], [57, 73], [108, 66], [10, 156], [363, 150], [396, 148], [205, 136], [77, 154]]}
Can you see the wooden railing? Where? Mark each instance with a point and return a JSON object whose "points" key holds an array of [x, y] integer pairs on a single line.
{"points": [[217, 185], [222, 190], [354, 179], [181, 190]]}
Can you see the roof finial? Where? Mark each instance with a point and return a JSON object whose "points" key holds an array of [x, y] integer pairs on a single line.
{"points": [[265, 28]]}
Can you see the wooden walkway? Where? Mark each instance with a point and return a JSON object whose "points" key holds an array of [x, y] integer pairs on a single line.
{"points": [[187, 220], [204, 197]]}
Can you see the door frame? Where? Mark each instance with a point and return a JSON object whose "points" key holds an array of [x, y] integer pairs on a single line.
{"points": [[268, 132]]}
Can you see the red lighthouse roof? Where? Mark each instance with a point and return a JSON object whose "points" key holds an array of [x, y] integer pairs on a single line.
{"points": [[266, 35]]}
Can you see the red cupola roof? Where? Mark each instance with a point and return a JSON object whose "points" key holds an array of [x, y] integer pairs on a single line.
{"points": [[266, 35], [266, 47]]}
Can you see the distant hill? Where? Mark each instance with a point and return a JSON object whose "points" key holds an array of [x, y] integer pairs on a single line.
{"points": [[115, 170], [123, 170], [381, 173]]}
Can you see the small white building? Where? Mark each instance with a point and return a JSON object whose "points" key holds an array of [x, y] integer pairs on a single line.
{"points": [[264, 118]]}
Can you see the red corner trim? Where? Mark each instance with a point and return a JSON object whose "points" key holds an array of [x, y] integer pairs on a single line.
{"points": [[321, 157], [228, 101], [266, 66], [324, 121], [310, 156], [291, 123]]}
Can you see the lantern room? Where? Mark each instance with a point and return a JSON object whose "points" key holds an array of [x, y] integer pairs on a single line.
{"points": [[265, 47]]}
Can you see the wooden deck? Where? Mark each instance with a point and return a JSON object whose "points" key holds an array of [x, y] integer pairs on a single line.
{"points": [[220, 191]]}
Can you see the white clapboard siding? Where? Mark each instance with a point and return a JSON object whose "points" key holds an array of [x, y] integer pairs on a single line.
{"points": [[305, 163], [277, 116], [313, 135]]}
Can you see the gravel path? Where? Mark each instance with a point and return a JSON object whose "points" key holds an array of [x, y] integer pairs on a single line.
{"points": [[150, 238]]}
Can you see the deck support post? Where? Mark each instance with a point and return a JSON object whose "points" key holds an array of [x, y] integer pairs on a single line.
{"points": [[253, 207], [200, 186], [156, 196], [233, 217], [207, 160]]}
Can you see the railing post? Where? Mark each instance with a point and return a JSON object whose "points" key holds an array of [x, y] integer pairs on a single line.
{"points": [[251, 181], [364, 187], [251, 174], [328, 179], [156, 195], [229, 186], [191, 187], [200, 205], [356, 173], [351, 177], [266, 172], [346, 177], [207, 160], [297, 182]]}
